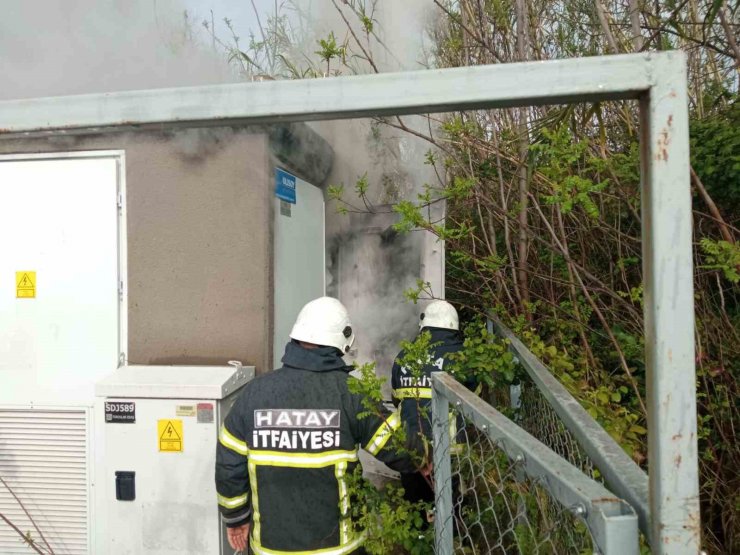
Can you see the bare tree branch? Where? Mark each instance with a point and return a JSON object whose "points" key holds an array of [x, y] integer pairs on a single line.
{"points": [[724, 230], [637, 38], [30, 518], [605, 27], [730, 34]]}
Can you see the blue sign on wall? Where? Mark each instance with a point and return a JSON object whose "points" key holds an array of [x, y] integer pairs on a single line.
{"points": [[285, 185]]}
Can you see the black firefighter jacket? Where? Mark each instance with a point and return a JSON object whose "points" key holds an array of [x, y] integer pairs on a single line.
{"points": [[414, 394], [286, 448]]}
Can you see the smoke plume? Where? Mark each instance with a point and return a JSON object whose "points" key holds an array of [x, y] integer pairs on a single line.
{"points": [[369, 267], [62, 47]]}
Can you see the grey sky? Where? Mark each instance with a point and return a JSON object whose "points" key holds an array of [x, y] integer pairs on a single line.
{"points": [[240, 12], [61, 47]]}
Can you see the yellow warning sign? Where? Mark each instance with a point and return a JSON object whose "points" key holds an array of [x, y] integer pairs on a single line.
{"points": [[25, 285], [169, 433]]}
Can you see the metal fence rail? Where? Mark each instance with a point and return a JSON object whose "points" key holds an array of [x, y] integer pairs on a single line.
{"points": [[499, 490], [550, 413]]}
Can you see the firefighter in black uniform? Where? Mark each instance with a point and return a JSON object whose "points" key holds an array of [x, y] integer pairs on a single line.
{"points": [[414, 393], [290, 441]]}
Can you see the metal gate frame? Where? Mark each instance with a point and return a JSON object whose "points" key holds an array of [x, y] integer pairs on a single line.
{"points": [[657, 80]]}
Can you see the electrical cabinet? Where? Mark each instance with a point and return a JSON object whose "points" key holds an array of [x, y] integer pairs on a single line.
{"points": [[158, 428]]}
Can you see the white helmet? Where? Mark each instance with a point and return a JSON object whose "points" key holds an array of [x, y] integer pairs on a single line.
{"points": [[439, 314], [324, 321]]}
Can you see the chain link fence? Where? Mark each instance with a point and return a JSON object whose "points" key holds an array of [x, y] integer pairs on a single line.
{"points": [[501, 491], [497, 509], [543, 407], [534, 414]]}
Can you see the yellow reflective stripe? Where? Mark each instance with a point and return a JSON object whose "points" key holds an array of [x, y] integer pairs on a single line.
{"points": [[383, 434], [232, 502], [455, 447], [413, 393], [344, 517], [341, 549], [228, 440], [256, 528], [301, 460]]}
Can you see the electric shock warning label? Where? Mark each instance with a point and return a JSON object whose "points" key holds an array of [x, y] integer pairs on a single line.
{"points": [[170, 435], [25, 285], [289, 429]]}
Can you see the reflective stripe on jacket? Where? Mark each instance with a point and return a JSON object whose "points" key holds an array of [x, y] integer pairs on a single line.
{"points": [[414, 393]]}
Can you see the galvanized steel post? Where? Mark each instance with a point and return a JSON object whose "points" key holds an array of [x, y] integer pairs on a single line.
{"points": [[443, 519], [669, 310]]}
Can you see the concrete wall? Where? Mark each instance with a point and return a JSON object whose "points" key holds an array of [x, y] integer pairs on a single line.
{"points": [[199, 243]]}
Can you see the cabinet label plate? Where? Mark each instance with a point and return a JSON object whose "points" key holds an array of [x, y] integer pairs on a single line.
{"points": [[120, 412]]}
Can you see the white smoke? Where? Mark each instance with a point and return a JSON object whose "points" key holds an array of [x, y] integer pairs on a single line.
{"points": [[369, 268], [63, 47], [399, 29]]}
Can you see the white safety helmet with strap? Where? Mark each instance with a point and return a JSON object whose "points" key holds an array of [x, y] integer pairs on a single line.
{"points": [[439, 314], [324, 321]]}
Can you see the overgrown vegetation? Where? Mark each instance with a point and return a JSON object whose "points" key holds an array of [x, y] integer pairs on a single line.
{"points": [[388, 521], [543, 204], [518, 514]]}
